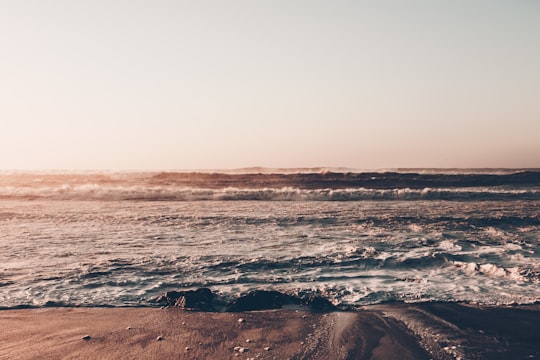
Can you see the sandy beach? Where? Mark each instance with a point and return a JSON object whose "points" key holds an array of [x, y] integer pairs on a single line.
{"points": [[390, 331]]}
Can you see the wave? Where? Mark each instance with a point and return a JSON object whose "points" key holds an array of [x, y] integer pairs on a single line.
{"points": [[344, 180], [320, 186], [172, 193], [495, 271], [303, 180]]}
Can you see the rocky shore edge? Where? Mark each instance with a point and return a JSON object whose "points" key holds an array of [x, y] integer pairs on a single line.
{"points": [[267, 324], [438, 330], [204, 299]]}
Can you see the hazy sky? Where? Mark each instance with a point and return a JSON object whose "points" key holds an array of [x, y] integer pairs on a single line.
{"points": [[109, 84]]}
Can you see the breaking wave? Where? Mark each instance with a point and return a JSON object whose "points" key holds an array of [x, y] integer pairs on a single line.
{"points": [[321, 186], [167, 193], [495, 271]]}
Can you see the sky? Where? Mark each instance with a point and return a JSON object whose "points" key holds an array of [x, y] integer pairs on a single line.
{"points": [[165, 85]]}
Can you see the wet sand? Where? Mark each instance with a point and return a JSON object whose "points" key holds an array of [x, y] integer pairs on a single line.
{"points": [[390, 331]]}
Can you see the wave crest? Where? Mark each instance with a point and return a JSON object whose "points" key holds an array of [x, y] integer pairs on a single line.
{"points": [[168, 193]]}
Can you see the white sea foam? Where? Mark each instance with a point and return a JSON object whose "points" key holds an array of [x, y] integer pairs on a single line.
{"points": [[450, 246], [490, 270], [127, 252], [94, 191]]}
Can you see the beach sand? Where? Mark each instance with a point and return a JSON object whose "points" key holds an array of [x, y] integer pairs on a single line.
{"points": [[389, 331]]}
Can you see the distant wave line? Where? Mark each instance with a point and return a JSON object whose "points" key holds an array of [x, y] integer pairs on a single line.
{"points": [[172, 193]]}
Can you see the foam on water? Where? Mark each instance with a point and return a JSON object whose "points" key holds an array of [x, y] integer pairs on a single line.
{"points": [[173, 193], [117, 253]]}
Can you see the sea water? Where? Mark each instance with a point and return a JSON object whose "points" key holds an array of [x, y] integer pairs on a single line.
{"points": [[123, 239]]}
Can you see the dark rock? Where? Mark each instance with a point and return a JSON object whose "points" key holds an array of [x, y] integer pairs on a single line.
{"points": [[204, 299], [200, 299], [261, 300], [51, 303], [319, 304]]}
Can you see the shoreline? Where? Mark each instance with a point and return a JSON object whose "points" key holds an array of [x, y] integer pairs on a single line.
{"points": [[385, 331]]}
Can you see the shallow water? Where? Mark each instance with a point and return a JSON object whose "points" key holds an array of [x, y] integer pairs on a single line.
{"points": [[100, 251]]}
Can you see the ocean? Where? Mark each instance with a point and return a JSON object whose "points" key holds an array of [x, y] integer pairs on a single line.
{"points": [[355, 238]]}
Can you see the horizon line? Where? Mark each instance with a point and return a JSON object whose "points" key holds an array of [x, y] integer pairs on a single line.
{"points": [[262, 169]]}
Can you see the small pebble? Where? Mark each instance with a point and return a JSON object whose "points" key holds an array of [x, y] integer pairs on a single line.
{"points": [[304, 316], [241, 320], [243, 350], [236, 348], [267, 348], [183, 323], [128, 328], [248, 340], [188, 348], [159, 338], [86, 337], [301, 343]]}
